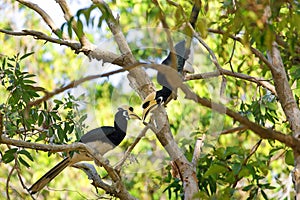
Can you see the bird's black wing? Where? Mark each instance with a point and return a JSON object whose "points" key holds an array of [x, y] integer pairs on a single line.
{"points": [[100, 134], [180, 61]]}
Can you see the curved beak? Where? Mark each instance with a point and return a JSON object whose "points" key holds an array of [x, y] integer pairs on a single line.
{"points": [[149, 104], [132, 115]]}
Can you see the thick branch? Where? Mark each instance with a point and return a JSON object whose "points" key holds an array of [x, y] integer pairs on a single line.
{"points": [[91, 51], [138, 78], [92, 174], [42, 147], [263, 132], [284, 91], [121, 190]]}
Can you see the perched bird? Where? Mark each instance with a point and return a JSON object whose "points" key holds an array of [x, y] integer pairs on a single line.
{"points": [[182, 51], [164, 95], [102, 140]]}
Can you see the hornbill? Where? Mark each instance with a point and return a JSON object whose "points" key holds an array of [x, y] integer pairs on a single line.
{"points": [[165, 94], [102, 140], [182, 51]]}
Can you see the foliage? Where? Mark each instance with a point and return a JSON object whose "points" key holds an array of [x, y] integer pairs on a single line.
{"points": [[231, 166]]}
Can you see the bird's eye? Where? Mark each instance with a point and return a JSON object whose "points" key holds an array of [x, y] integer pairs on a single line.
{"points": [[159, 100], [146, 104], [130, 108]]}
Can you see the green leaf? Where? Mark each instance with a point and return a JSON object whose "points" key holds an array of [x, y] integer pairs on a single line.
{"points": [[9, 155], [41, 119], [26, 153], [79, 28], [26, 55], [289, 158], [23, 162], [262, 109], [272, 105], [215, 169], [264, 195], [248, 187], [70, 31]]}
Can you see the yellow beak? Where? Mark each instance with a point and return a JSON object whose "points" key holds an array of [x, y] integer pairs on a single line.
{"points": [[131, 113], [149, 104]]}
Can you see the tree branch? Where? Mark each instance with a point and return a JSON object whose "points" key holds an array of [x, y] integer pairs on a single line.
{"points": [[42, 147], [130, 148], [75, 83], [91, 51], [259, 81], [253, 150], [70, 18], [48, 20], [283, 89], [265, 133], [92, 174], [254, 51], [232, 130], [197, 150], [138, 78], [122, 193], [210, 51]]}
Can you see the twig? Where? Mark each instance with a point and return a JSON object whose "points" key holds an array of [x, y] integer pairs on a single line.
{"points": [[1, 124], [253, 150], [259, 81], [8, 180], [48, 20], [231, 56], [232, 130], [130, 148], [76, 83], [197, 150], [70, 18], [254, 51], [211, 53]]}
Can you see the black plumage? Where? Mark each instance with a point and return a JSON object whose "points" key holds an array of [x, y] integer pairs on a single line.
{"points": [[182, 51], [101, 140], [180, 61]]}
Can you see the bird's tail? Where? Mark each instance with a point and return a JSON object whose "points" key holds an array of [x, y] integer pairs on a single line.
{"points": [[51, 174]]}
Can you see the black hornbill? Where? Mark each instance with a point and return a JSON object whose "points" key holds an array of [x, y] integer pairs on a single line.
{"points": [[164, 95], [102, 140], [182, 51]]}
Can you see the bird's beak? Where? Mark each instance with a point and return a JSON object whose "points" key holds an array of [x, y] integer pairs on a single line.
{"points": [[130, 111], [149, 104], [132, 115]]}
